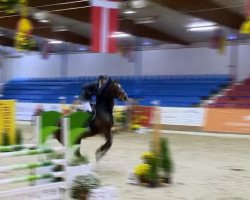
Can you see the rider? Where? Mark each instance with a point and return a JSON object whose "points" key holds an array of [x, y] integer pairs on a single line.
{"points": [[93, 89]]}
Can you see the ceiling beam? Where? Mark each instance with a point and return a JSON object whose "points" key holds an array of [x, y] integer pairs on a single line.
{"points": [[63, 36], [4, 41], [205, 9], [45, 31], [36, 3], [81, 12], [140, 30], [83, 15]]}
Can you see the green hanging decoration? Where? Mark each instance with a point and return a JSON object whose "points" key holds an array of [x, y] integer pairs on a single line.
{"points": [[9, 6], [23, 38]]}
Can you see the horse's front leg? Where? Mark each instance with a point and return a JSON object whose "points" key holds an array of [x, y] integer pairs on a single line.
{"points": [[104, 148], [90, 132]]}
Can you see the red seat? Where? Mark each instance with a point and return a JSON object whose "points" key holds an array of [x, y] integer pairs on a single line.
{"points": [[238, 96]]}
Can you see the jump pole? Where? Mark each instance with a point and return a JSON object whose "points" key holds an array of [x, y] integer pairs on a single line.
{"points": [[156, 133], [16, 147], [38, 190], [32, 178], [32, 165], [31, 152]]}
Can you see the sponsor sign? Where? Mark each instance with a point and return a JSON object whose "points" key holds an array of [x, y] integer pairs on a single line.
{"points": [[227, 120]]}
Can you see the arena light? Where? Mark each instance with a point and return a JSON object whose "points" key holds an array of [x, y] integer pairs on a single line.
{"points": [[82, 49], [146, 20], [44, 21], [129, 12], [55, 42], [232, 37], [146, 43], [60, 28], [202, 26], [120, 35]]}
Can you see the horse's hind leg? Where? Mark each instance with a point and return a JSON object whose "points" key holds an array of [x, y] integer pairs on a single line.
{"points": [[104, 148]]}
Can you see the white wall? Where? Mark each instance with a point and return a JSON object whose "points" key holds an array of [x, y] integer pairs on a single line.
{"points": [[31, 66], [78, 65], [184, 61], [244, 61], [201, 60], [93, 64]]}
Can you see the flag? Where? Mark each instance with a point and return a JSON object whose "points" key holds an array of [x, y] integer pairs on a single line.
{"points": [[247, 8], [104, 16]]}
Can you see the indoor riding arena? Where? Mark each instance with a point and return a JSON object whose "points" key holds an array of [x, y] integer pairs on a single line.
{"points": [[124, 100]]}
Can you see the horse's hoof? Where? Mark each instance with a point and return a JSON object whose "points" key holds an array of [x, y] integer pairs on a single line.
{"points": [[98, 155], [77, 153]]}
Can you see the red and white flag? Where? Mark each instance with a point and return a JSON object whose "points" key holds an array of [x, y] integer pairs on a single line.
{"points": [[247, 8], [104, 15]]}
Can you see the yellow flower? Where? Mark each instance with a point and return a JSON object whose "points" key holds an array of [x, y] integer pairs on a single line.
{"points": [[148, 155], [142, 170], [135, 126]]}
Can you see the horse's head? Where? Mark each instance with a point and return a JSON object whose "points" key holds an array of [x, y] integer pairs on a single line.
{"points": [[118, 91]]}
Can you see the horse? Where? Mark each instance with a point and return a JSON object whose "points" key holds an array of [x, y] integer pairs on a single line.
{"points": [[102, 121]]}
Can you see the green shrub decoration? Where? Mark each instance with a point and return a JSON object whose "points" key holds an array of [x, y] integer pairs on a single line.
{"points": [[166, 160], [5, 139], [158, 168], [153, 175], [19, 136], [82, 185]]}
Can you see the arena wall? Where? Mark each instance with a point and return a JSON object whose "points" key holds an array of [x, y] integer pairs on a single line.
{"points": [[172, 61]]}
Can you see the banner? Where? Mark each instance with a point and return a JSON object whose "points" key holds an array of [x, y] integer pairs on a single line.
{"points": [[227, 120], [182, 116], [142, 115], [169, 115], [104, 16], [7, 120]]}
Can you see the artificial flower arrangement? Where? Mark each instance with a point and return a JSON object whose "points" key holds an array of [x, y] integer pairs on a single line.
{"points": [[120, 118], [9, 6], [156, 170], [24, 42], [23, 38], [136, 122]]}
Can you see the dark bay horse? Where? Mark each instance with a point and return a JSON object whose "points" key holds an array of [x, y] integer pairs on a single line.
{"points": [[102, 121]]}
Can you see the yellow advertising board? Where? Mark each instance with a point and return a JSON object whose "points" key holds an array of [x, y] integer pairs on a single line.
{"points": [[7, 120]]}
